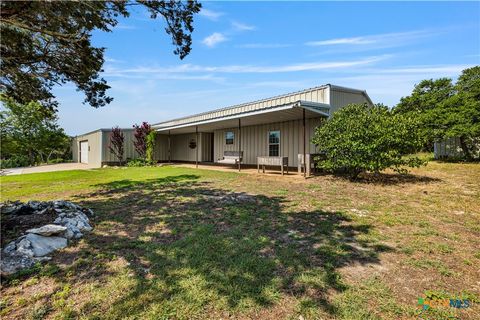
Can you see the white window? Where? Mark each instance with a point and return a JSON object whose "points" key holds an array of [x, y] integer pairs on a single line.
{"points": [[274, 143], [229, 136]]}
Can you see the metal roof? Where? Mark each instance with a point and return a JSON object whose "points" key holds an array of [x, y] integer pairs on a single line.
{"points": [[280, 113], [239, 108], [313, 95]]}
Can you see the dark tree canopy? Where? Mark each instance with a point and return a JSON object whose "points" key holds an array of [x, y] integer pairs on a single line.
{"points": [[48, 43], [425, 98], [447, 110]]}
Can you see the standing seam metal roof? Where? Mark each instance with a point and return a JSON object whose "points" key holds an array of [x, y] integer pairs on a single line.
{"points": [[220, 113]]}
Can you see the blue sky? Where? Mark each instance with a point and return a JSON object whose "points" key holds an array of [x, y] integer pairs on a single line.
{"points": [[244, 51]]}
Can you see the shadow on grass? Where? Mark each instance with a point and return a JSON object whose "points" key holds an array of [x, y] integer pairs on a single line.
{"points": [[385, 179], [192, 247]]}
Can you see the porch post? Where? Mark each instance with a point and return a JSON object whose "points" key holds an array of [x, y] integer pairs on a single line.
{"points": [[304, 148], [169, 151], [196, 148], [239, 144]]}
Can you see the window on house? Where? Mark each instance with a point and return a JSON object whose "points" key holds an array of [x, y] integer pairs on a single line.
{"points": [[229, 136], [274, 143]]}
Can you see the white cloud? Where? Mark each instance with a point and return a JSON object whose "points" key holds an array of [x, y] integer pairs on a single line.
{"points": [[357, 40], [210, 14], [113, 60], [437, 70], [384, 40], [238, 26], [263, 45], [295, 67], [214, 39]]}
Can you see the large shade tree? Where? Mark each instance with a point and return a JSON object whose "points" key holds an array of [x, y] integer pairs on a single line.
{"points": [[48, 43]]}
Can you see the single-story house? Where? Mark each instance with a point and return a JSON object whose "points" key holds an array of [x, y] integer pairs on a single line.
{"points": [[275, 128]]}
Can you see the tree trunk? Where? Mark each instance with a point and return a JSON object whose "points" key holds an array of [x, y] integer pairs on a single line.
{"points": [[466, 151]]}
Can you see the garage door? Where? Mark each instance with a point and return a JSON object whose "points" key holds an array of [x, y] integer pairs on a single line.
{"points": [[84, 151]]}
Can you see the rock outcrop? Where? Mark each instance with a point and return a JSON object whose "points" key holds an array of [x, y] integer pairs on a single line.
{"points": [[35, 245]]}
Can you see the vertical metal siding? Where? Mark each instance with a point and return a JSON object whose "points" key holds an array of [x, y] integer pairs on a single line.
{"points": [[448, 148], [255, 140], [339, 99], [206, 146], [94, 148], [160, 149], [180, 147]]}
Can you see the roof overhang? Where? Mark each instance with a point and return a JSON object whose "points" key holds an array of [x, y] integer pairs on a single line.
{"points": [[279, 113]]}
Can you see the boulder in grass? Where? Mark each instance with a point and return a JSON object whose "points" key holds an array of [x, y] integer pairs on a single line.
{"points": [[48, 230], [41, 246], [15, 262]]}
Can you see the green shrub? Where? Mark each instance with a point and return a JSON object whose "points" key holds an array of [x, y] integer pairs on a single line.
{"points": [[136, 163], [150, 146], [15, 161], [362, 138]]}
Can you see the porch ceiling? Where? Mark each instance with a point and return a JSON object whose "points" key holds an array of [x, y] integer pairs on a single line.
{"points": [[288, 112]]}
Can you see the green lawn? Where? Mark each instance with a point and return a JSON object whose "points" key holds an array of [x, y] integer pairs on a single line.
{"points": [[166, 246]]}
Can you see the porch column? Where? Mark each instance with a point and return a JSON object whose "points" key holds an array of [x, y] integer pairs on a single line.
{"points": [[169, 146], [304, 148], [196, 148], [239, 144]]}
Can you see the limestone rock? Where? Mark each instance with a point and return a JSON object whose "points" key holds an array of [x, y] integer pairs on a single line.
{"points": [[41, 246], [48, 230], [15, 262]]}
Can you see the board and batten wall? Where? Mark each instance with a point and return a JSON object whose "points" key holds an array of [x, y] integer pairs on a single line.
{"points": [[181, 150], [94, 148], [160, 149], [340, 98], [448, 148], [254, 141]]}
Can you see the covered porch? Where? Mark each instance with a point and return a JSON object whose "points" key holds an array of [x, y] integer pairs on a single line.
{"points": [[280, 131]]}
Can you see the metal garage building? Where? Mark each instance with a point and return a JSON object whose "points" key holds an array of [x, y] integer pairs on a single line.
{"points": [[280, 126]]}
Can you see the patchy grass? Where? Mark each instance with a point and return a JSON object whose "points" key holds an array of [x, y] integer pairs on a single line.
{"points": [[166, 246]]}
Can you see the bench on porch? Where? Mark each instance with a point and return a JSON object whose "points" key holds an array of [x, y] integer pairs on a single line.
{"points": [[231, 157], [272, 161]]}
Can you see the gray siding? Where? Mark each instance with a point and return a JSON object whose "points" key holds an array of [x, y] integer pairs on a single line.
{"points": [[448, 148], [255, 140], [180, 147], [340, 98], [206, 147], [129, 150], [160, 149], [94, 148]]}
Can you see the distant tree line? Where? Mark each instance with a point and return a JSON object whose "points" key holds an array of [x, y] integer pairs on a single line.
{"points": [[30, 136], [447, 110]]}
